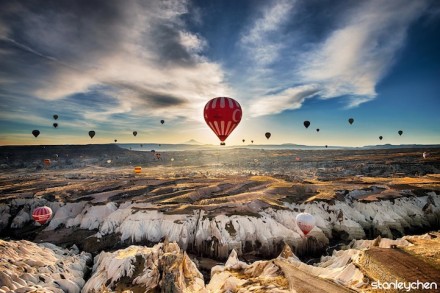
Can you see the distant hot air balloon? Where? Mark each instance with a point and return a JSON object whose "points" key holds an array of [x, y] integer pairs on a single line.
{"points": [[380, 137], [55, 116], [351, 120], [92, 133], [222, 115], [252, 141], [267, 135], [36, 133], [42, 215], [400, 132], [326, 146], [243, 140], [116, 140], [305, 222], [135, 133], [55, 125], [307, 124], [162, 121], [317, 129]]}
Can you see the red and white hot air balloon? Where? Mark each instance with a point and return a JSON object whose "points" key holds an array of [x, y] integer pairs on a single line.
{"points": [[305, 222], [42, 215], [222, 115]]}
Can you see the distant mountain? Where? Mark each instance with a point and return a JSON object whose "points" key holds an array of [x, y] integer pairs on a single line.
{"points": [[193, 141], [401, 146]]}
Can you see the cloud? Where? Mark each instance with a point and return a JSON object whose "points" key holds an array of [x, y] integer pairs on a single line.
{"points": [[259, 39], [353, 59], [139, 53], [289, 99], [350, 60]]}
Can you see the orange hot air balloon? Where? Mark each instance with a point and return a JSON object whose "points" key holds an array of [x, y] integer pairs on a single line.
{"points": [[42, 215], [222, 115], [137, 170]]}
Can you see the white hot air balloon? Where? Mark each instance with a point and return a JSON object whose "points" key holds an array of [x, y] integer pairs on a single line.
{"points": [[305, 222]]}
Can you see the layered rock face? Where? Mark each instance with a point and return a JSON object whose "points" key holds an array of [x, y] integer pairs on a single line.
{"points": [[214, 236], [162, 266], [30, 267]]}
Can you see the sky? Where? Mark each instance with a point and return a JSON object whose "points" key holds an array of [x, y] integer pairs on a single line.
{"points": [[121, 66]]}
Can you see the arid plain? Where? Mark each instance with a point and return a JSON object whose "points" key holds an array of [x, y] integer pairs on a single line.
{"points": [[236, 205]]}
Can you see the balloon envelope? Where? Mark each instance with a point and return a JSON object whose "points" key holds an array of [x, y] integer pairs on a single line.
{"points": [[55, 116], [351, 120], [222, 115], [400, 132], [42, 215], [55, 125], [380, 137], [305, 222], [135, 133], [162, 121], [317, 129], [36, 133], [92, 133], [307, 124], [267, 134]]}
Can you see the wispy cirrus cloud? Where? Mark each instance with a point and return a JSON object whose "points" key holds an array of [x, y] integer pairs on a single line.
{"points": [[289, 99], [353, 58], [260, 40]]}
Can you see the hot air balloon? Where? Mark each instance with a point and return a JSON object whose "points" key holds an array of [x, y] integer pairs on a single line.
{"points": [[162, 121], [380, 137], [116, 140], [55, 116], [351, 120], [92, 133], [135, 133], [307, 124], [55, 125], [243, 140], [305, 222], [42, 215], [36, 133], [326, 146], [222, 115], [267, 135], [400, 132], [317, 129], [252, 141]]}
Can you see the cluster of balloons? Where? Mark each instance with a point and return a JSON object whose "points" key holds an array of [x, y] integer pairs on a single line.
{"points": [[222, 114]]}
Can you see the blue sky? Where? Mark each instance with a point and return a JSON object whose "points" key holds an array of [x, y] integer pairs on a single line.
{"points": [[119, 66]]}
